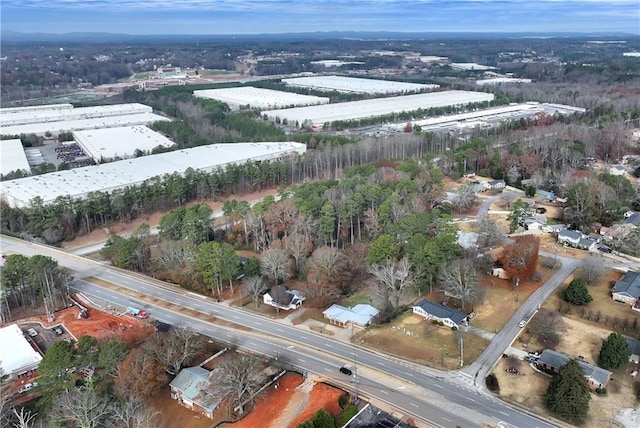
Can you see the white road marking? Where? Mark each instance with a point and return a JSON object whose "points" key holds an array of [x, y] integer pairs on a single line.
{"points": [[437, 385], [446, 419], [384, 392], [409, 374], [504, 413], [414, 404], [301, 360]]}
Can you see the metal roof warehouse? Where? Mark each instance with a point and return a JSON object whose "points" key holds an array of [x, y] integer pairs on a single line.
{"points": [[109, 177], [62, 114], [319, 115], [356, 85], [122, 142], [13, 157], [259, 98]]}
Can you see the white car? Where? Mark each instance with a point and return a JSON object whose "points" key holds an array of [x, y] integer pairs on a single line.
{"points": [[522, 323], [26, 387], [32, 332]]}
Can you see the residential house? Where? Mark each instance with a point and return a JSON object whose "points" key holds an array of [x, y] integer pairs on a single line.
{"points": [[498, 272], [634, 348], [554, 361], [533, 224], [617, 170], [554, 228], [544, 195], [576, 239], [282, 298], [627, 290], [360, 315], [495, 185], [633, 219], [189, 387], [434, 311]]}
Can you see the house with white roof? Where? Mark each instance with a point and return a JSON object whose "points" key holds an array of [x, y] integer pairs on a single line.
{"points": [[17, 356], [360, 315]]}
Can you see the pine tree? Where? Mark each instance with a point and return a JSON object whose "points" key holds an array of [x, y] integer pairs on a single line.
{"points": [[576, 293], [614, 352], [568, 394]]}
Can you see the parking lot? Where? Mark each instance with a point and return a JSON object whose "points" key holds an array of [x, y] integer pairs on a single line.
{"points": [[45, 337]]}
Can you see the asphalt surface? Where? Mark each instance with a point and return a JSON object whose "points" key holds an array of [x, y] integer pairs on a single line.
{"points": [[439, 399]]}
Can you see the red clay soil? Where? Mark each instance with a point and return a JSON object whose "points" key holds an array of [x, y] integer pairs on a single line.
{"points": [[322, 396], [102, 326], [270, 407]]}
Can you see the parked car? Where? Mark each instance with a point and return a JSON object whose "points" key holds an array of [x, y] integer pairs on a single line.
{"points": [[530, 359], [58, 331], [27, 386], [522, 323], [32, 332]]}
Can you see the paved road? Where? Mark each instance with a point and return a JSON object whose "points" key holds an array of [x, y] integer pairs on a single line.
{"points": [[442, 399]]}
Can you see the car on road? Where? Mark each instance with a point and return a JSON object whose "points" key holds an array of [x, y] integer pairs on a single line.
{"points": [[346, 370], [32, 332], [522, 323]]}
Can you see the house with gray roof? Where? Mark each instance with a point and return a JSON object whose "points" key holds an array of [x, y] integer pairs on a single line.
{"points": [[627, 289], [576, 239], [633, 219], [434, 311], [360, 315], [554, 361], [634, 348], [189, 388]]}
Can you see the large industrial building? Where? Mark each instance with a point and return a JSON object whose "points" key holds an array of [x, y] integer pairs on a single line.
{"points": [[61, 118], [109, 177], [107, 144], [13, 157], [264, 99], [17, 356], [357, 85], [316, 116]]}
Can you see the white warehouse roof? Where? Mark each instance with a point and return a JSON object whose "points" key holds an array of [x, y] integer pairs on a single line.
{"points": [[499, 80], [469, 66], [113, 176], [357, 85], [259, 98], [58, 115], [110, 143], [16, 353], [22, 110], [319, 115], [74, 125], [12, 157]]}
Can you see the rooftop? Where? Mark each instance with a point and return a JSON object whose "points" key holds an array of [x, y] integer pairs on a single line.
{"points": [[360, 314], [259, 98], [628, 285], [121, 142], [109, 177], [319, 115], [16, 351], [440, 311], [12, 157], [558, 360], [356, 85]]}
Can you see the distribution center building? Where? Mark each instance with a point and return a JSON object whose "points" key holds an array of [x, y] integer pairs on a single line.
{"points": [[265, 99], [316, 116], [31, 120], [13, 157], [357, 85], [109, 177], [119, 143]]}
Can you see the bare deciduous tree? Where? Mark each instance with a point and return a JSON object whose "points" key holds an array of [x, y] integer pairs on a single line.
{"points": [[372, 223], [83, 407], [546, 326], [591, 268], [459, 279], [489, 232], [172, 254], [134, 414], [255, 286], [176, 348], [239, 377], [276, 265], [464, 198], [392, 279], [507, 198], [299, 246]]}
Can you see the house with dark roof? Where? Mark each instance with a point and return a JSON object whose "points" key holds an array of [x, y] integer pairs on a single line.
{"points": [[495, 185], [280, 297], [554, 361], [634, 348], [633, 219], [627, 289], [360, 315], [434, 311], [576, 239], [190, 389]]}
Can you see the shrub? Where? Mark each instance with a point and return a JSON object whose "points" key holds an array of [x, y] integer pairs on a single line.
{"points": [[576, 293], [347, 414], [601, 391], [343, 400], [492, 383], [454, 328]]}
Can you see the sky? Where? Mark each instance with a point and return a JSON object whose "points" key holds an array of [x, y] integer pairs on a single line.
{"points": [[284, 16]]}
